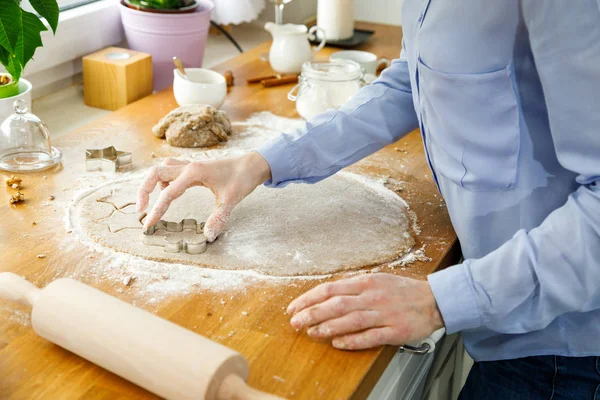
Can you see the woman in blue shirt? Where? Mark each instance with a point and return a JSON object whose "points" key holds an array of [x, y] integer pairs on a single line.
{"points": [[506, 95]]}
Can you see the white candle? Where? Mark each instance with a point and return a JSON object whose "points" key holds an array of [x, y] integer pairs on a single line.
{"points": [[336, 18]]}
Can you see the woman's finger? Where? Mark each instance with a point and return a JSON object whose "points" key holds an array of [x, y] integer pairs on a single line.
{"points": [[158, 173], [175, 161], [175, 189], [332, 308], [216, 223], [355, 321], [170, 161], [365, 340], [324, 292]]}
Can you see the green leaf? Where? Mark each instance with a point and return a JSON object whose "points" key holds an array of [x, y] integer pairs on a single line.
{"points": [[47, 9], [20, 32], [4, 54], [10, 24], [165, 4], [30, 39], [9, 61]]}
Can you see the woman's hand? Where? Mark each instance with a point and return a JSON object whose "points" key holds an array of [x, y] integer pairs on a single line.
{"points": [[368, 311], [231, 180]]}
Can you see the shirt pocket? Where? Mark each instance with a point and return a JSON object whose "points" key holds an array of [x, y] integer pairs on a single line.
{"points": [[471, 123]]}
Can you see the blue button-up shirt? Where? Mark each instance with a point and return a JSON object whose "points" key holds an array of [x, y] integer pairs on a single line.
{"points": [[507, 97]]}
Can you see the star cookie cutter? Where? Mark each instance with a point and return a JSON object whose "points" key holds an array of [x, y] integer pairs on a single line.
{"points": [[156, 236], [108, 159]]}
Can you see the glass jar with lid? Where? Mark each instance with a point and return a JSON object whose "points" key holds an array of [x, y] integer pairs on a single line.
{"points": [[25, 142], [324, 85]]}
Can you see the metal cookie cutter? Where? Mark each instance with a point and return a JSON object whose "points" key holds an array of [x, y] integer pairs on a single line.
{"points": [[106, 160], [156, 236]]}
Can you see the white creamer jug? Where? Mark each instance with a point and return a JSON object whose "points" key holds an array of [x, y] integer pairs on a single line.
{"points": [[291, 47]]}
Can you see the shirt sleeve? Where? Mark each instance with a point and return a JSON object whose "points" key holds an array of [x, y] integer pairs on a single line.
{"points": [[553, 269], [379, 114]]}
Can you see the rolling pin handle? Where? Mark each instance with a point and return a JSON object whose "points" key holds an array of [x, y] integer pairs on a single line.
{"points": [[236, 388], [15, 288]]}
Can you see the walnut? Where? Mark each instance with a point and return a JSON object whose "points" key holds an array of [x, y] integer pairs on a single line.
{"points": [[16, 198], [13, 180]]}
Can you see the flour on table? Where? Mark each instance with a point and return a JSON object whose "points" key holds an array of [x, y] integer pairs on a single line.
{"points": [[151, 281], [415, 255]]}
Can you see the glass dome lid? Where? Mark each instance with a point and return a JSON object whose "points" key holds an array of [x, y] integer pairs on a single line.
{"points": [[25, 142]]}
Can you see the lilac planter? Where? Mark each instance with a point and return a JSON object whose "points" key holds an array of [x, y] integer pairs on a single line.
{"points": [[167, 35]]}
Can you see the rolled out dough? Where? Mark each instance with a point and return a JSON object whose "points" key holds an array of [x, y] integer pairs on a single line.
{"points": [[341, 223]]}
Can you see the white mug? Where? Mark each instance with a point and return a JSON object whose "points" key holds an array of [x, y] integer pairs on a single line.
{"points": [[368, 61]]}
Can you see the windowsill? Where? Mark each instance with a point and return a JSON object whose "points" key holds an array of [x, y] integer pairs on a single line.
{"points": [[64, 111], [81, 31]]}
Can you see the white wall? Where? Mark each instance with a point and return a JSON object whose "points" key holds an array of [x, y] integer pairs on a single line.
{"points": [[295, 12], [378, 11]]}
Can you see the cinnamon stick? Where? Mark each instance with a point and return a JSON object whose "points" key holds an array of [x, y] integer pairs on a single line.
{"points": [[228, 77], [279, 81], [259, 79]]}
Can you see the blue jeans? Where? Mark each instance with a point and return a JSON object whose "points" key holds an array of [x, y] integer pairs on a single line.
{"points": [[533, 378]]}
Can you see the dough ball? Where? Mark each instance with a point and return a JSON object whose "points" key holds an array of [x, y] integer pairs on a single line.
{"points": [[194, 126]]}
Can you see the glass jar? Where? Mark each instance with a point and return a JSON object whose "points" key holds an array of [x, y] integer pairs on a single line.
{"points": [[324, 85], [25, 142]]}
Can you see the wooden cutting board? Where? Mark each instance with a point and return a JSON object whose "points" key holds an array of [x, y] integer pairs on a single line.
{"points": [[283, 361]]}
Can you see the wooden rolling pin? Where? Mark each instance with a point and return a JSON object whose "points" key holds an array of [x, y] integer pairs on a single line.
{"points": [[149, 351]]}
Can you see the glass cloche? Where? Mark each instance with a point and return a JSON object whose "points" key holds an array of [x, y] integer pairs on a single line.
{"points": [[25, 142]]}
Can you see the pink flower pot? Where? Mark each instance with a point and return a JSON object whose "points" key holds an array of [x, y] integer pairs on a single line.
{"points": [[167, 35]]}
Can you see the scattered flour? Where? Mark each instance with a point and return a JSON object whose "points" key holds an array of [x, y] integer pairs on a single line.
{"points": [[21, 317], [413, 256], [155, 281], [150, 282]]}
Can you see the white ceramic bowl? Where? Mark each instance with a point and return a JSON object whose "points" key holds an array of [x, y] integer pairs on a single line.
{"points": [[204, 87]]}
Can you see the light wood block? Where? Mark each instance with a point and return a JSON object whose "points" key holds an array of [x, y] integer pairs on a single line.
{"points": [[115, 77]]}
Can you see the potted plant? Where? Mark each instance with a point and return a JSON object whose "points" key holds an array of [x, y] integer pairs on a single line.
{"points": [[20, 35], [167, 28]]}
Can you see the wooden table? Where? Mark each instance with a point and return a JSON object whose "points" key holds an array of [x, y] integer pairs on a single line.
{"points": [[283, 361]]}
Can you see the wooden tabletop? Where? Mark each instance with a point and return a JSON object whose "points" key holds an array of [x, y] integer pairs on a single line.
{"points": [[282, 361]]}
